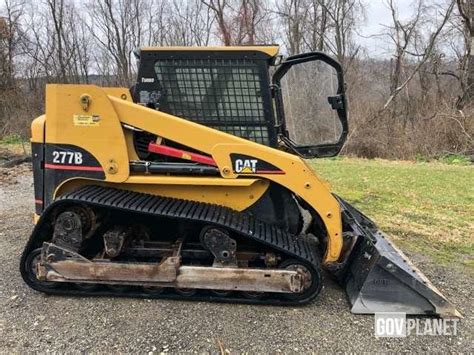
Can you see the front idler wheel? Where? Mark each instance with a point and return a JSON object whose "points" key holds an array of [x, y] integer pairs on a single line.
{"points": [[31, 266], [311, 280]]}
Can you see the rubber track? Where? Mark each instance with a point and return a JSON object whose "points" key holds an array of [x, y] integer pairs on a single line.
{"points": [[298, 247]]}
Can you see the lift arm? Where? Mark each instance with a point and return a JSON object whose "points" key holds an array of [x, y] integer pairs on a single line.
{"points": [[229, 152]]}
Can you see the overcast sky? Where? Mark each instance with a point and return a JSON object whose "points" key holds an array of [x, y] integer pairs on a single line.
{"points": [[378, 14]]}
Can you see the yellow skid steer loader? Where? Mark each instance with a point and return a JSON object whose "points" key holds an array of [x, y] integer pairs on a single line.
{"points": [[193, 184]]}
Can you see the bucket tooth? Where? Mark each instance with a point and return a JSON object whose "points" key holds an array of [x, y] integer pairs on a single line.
{"points": [[378, 277]]}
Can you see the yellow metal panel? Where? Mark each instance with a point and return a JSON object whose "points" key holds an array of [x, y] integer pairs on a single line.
{"points": [[186, 132], [37, 129], [298, 178], [104, 140], [236, 196], [190, 180], [132, 153], [271, 50], [122, 93]]}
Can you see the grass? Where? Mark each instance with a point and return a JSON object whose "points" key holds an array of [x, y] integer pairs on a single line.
{"points": [[427, 208], [13, 139], [15, 144]]}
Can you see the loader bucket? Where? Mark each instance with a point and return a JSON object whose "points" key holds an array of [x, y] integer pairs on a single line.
{"points": [[378, 277]]}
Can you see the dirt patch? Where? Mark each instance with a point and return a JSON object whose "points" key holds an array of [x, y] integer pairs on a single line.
{"points": [[15, 174], [32, 321]]}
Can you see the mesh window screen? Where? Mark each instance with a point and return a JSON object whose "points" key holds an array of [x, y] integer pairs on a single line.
{"points": [[225, 94]]}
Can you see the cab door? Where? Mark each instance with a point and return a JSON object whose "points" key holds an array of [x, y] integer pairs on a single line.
{"points": [[310, 104]]}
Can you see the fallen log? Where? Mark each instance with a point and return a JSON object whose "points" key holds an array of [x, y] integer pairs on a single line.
{"points": [[16, 161]]}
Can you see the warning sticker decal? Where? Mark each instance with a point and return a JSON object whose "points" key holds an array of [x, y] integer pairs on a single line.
{"points": [[86, 120]]}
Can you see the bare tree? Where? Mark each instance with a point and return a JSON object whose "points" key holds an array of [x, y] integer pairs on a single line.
{"points": [[294, 15], [82, 48], [401, 37], [220, 7], [117, 28], [56, 10], [58, 41], [241, 22], [466, 12], [11, 40], [250, 14], [343, 15], [321, 25], [155, 23], [187, 23]]}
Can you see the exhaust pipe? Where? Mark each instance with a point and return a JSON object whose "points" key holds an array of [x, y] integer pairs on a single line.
{"points": [[378, 277]]}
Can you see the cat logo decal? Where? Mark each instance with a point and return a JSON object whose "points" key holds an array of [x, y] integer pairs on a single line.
{"points": [[244, 164]]}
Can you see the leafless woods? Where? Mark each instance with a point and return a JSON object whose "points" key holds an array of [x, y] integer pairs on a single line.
{"points": [[412, 96]]}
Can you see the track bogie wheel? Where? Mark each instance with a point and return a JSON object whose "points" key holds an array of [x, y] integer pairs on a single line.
{"points": [[153, 290], [84, 286], [186, 292], [118, 288]]}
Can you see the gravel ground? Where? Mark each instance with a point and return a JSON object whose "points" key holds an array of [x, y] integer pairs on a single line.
{"points": [[31, 321]]}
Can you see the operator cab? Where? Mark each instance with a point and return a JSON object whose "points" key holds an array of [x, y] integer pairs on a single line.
{"points": [[301, 106]]}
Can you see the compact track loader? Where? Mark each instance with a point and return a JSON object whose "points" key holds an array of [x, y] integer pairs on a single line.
{"points": [[192, 184]]}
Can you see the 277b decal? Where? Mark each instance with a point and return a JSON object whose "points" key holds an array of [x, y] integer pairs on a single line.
{"points": [[68, 157], [62, 157]]}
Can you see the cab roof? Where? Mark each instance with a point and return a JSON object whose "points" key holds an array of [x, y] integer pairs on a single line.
{"points": [[270, 50]]}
